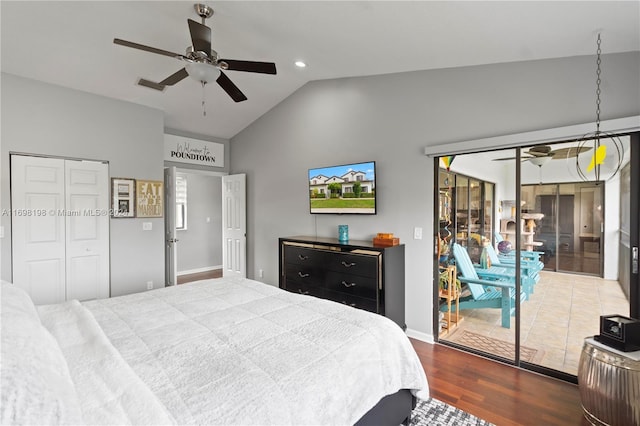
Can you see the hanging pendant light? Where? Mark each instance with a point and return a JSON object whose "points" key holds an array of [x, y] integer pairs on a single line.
{"points": [[605, 159]]}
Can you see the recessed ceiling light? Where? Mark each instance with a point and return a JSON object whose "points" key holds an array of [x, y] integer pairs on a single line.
{"points": [[300, 64]]}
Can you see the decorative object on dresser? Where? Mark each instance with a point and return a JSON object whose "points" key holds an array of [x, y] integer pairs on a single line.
{"points": [[357, 273], [343, 233], [385, 240]]}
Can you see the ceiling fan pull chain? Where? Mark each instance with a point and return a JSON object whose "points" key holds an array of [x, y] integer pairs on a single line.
{"points": [[204, 108]]}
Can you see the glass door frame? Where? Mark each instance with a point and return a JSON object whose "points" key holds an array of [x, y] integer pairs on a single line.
{"points": [[634, 298]]}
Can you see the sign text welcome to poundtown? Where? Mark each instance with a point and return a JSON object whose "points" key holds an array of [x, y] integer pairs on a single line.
{"points": [[193, 151]]}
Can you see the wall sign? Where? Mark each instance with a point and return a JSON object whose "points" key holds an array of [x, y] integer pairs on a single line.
{"points": [[193, 151], [149, 198]]}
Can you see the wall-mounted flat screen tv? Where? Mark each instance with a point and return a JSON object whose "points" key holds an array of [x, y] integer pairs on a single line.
{"points": [[346, 189]]}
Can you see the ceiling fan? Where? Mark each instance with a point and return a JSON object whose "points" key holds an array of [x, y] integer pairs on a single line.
{"points": [[202, 62], [540, 154]]}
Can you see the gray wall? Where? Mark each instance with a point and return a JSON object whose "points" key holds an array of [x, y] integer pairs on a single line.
{"points": [[200, 245], [44, 119], [390, 119]]}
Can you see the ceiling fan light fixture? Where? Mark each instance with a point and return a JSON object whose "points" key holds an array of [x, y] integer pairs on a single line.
{"points": [[202, 72], [539, 161]]}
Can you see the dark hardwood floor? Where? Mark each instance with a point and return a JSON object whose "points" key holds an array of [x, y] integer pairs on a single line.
{"points": [[497, 392], [216, 273]]}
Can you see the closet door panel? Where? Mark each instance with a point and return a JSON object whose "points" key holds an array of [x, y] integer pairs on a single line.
{"points": [[38, 227], [87, 238]]}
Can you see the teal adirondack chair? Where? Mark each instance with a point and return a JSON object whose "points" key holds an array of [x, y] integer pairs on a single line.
{"points": [[525, 262], [529, 269], [484, 293]]}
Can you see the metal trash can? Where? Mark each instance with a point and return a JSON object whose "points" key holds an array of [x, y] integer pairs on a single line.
{"points": [[609, 383]]}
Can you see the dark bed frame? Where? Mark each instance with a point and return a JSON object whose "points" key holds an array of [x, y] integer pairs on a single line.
{"points": [[392, 410]]}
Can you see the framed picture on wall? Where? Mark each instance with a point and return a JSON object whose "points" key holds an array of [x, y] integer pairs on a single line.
{"points": [[149, 198], [123, 195]]}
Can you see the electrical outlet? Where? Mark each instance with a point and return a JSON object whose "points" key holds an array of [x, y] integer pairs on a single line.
{"points": [[417, 233], [147, 226], [149, 285], [260, 273]]}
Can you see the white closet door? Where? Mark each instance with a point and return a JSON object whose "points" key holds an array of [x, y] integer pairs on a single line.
{"points": [[234, 225], [87, 230], [60, 228], [38, 227]]}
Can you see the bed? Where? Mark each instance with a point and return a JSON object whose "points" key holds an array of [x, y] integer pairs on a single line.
{"points": [[222, 351]]}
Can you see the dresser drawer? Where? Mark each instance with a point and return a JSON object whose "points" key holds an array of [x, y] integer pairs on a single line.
{"points": [[304, 274], [305, 288], [357, 264], [353, 301], [303, 255], [356, 285]]}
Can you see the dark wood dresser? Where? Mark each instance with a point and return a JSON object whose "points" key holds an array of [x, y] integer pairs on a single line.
{"points": [[355, 273]]}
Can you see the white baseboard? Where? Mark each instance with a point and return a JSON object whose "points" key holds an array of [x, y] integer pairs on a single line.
{"points": [[419, 335], [198, 270]]}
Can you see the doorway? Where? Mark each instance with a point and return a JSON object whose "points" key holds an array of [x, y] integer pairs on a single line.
{"points": [[569, 225], [194, 217]]}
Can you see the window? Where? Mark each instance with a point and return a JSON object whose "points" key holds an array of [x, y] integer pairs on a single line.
{"points": [[181, 202]]}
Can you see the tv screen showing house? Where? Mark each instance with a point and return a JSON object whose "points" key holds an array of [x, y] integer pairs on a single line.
{"points": [[345, 189]]}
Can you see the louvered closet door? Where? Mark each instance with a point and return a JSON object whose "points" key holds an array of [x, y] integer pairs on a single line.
{"points": [[60, 228]]}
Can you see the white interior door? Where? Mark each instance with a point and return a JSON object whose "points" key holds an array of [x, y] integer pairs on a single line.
{"points": [[234, 224], [170, 246], [87, 230], [60, 228], [38, 227]]}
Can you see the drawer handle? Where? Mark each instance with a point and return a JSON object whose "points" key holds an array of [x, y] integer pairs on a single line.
{"points": [[303, 292], [301, 275], [346, 284], [303, 257], [344, 302], [348, 265]]}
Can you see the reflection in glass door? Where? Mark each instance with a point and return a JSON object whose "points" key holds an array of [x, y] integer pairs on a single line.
{"points": [[569, 231]]}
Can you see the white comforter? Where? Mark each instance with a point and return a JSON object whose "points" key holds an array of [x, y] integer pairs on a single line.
{"points": [[230, 351]]}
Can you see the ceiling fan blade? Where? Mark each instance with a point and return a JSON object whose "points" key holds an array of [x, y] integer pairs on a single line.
{"points": [[175, 78], [200, 37], [145, 48], [250, 66], [151, 84], [512, 158], [570, 152], [231, 89]]}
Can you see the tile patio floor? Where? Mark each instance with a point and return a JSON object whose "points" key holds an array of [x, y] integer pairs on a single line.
{"points": [[562, 311]]}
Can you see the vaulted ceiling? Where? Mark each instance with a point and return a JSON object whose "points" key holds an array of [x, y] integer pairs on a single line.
{"points": [[70, 43]]}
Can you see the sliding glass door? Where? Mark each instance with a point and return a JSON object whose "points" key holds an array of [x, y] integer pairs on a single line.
{"points": [[564, 246]]}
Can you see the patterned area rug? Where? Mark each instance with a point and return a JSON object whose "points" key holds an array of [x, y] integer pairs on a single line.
{"points": [[437, 413], [495, 346]]}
